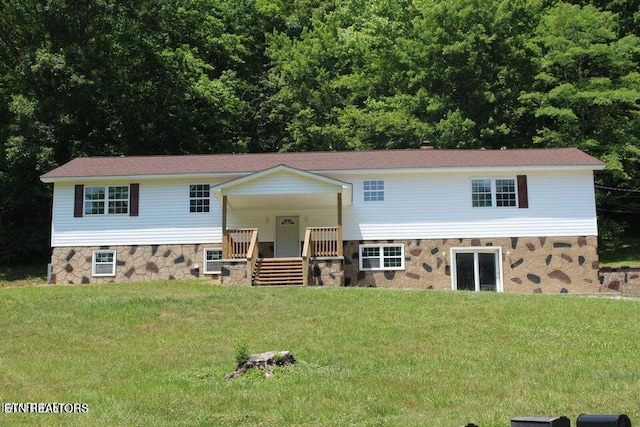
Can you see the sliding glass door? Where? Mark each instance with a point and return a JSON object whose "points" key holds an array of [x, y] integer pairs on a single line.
{"points": [[476, 269]]}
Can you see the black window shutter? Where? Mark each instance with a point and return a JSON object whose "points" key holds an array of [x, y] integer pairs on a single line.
{"points": [[134, 198], [523, 196], [78, 201]]}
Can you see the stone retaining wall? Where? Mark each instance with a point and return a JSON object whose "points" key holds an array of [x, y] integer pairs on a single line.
{"points": [[133, 263], [625, 280], [530, 264]]}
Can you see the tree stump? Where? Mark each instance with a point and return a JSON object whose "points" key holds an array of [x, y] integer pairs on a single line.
{"points": [[265, 361]]}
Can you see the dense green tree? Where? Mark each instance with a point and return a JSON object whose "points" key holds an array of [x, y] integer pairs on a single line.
{"points": [[108, 78], [105, 77], [588, 87], [343, 83], [587, 95], [473, 63]]}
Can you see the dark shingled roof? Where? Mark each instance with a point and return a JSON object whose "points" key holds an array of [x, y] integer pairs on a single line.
{"points": [[319, 161]]}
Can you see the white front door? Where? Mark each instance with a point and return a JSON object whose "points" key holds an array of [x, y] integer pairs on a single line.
{"points": [[287, 237]]}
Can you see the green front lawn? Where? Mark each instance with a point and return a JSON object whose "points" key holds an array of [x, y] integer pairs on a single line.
{"points": [[616, 256], [29, 275], [155, 354]]}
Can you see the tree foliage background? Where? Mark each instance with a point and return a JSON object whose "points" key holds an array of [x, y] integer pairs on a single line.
{"points": [[105, 77]]}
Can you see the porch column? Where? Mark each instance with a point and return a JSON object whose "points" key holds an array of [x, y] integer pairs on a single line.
{"points": [[225, 248], [339, 225]]}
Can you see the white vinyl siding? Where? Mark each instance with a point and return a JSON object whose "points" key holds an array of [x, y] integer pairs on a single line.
{"points": [[281, 183], [164, 219], [417, 205], [437, 206]]}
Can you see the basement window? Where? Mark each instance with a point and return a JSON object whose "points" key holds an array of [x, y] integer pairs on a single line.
{"points": [[212, 261], [104, 263], [381, 257]]}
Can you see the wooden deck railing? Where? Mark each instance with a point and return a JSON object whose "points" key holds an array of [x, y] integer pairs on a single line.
{"points": [[325, 241], [240, 243], [319, 242]]}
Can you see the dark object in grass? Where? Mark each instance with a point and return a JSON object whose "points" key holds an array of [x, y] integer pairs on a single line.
{"points": [[265, 361]]}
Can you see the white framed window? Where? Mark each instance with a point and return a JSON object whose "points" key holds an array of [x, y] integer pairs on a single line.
{"points": [[212, 261], [94, 198], [104, 263], [381, 257], [481, 193], [486, 193], [199, 198], [506, 195], [119, 200], [113, 200], [373, 190]]}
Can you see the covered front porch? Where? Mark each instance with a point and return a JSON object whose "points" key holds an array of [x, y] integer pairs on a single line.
{"points": [[283, 226]]}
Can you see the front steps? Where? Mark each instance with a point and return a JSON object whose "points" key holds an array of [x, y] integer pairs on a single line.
{"points": [[278, 271]]}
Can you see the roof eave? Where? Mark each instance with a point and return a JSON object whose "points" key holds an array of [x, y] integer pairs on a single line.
{"points": [[95, 178]]}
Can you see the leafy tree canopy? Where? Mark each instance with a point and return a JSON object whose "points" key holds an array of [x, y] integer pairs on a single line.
{"points": [[103, 77]]}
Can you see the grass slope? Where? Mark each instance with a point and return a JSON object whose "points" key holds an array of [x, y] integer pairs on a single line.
{"points": [[625, 254], [155, 354]]}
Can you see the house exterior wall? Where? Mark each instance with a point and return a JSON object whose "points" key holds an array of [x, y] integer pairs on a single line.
{"points": [[438, 206], [539, 265], [625, 280], [164, 218], [566, 264], [283, 183], [73, 265], [417, 205], [551, 244]]}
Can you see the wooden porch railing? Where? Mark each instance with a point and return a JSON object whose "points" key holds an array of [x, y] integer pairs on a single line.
{"points": [[320, 242], [325, 241], [240, 243]]}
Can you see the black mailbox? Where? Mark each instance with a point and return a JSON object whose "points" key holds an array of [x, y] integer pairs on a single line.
{"points": [[621, 420], [540, 422]]}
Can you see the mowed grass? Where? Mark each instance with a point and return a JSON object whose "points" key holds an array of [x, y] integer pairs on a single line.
{"points": [[156, 354], [622, 255], [27, 275]]}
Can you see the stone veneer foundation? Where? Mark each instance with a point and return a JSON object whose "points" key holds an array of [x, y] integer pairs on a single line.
{"points": [[625, 280], [534, 264], [133, 263], [326, 271]]}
